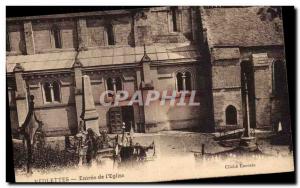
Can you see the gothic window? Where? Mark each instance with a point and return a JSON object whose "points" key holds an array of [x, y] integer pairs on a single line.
{"points": [[56, 36], [179, 82], [184, 81], [110, 34], [231, 115], [114, 84], [51, 92], [7, 42]]}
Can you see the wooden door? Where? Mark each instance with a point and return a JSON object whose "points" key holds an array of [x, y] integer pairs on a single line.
{"points": [[115, 120]]}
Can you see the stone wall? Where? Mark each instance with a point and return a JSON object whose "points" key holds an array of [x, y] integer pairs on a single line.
{"points": [[226, 79], [16, 39], [122, 30], [58, 120], [44, 39], [165, 117], [263, 88], [154, 27], [66, 89], [226, 84], [97, 33], [221, 100]]}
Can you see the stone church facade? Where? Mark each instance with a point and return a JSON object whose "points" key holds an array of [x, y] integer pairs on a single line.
{"points": [[232, 57]]}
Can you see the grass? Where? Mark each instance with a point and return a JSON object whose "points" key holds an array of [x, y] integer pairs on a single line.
{"points": [[44, 157]]}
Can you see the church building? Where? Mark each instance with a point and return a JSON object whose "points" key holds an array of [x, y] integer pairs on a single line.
{"points": [[233, 57]]}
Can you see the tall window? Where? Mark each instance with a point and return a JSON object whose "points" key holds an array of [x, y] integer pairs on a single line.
{"points": [[56, 36], [51, 92], [231, 115], [7, 42], [184, 81], [110, 34]]}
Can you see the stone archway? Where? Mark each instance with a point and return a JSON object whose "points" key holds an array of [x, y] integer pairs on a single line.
{"points": [[231, 115]]}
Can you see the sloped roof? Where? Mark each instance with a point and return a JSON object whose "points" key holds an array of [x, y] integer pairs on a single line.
{"points": [[241, 27], [103, 56], [45, 61]]}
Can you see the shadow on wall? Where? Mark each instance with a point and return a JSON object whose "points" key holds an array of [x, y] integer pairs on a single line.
{"points": [[72, 120], [130, 38], [22, 45]]}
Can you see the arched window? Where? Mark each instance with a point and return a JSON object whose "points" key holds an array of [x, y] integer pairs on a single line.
{"points": [[188, 81], [114, 84], [56, 91], [110, 34], [56, 36], [179, 81], [184, 81], [51, 91], [231, 115], [47, 92]]}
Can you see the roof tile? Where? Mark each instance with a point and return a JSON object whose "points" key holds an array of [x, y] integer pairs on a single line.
{"points": [[241, 27]]}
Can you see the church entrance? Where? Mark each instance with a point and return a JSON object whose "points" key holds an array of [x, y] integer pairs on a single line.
{"points": [[128, 118], [119, 116]]}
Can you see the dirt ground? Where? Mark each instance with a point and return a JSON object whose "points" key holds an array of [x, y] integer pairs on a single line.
{"points": [[170, 143], [176, 150]]}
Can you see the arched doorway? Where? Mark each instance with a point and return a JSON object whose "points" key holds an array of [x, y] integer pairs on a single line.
{"points": [[231, 115]]}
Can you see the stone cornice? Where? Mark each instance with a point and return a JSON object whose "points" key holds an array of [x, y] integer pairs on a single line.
{"points": [[68, 71]]}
